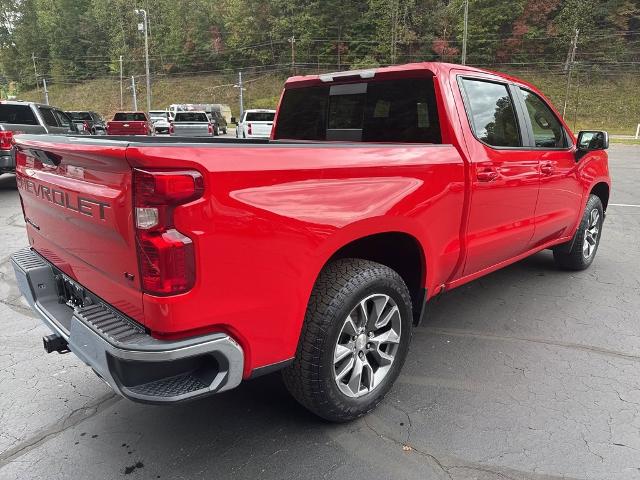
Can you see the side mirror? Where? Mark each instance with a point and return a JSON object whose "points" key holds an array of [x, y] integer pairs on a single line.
{"points": [[234, 121], [590, 140]]}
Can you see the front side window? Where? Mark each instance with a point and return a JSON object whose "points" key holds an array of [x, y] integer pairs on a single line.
{"points": [[547, 129], [491, 113]]}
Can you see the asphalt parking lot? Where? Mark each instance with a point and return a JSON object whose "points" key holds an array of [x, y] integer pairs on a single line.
{"points": [[529, 373]]}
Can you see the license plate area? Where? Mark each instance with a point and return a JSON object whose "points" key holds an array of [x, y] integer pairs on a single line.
{"points": [[71, 293]]}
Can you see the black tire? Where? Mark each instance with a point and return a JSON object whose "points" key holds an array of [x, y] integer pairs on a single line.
{"points": [[573, 256], [341, 286]]}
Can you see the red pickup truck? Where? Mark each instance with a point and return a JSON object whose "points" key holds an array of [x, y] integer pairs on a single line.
{"points": [[178, 270], [130, 123]]}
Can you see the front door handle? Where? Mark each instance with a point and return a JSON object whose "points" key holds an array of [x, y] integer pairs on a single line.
{"points": [[547, 168], [488, 174]]}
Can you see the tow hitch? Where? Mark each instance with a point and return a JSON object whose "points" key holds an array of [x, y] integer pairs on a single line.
{"points": [[55, 343]]}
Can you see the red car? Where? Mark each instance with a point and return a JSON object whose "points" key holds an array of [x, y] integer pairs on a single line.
{"points": [[178, 270], [130, 123]]}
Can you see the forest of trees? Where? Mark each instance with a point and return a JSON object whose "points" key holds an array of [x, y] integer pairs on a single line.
{"points": [[70, 41]]}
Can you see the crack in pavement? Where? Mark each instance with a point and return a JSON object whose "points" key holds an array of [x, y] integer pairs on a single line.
{"points": [[541, 341], [75, 418], [459, 464]]}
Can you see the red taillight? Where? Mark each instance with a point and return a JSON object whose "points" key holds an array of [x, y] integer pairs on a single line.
{"points": [[6, 140], [249, 129], [210, 129], [171, 129], [166, 256], [85, 126]]}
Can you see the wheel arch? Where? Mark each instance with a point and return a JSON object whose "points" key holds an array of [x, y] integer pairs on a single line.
{"points": [[601, 190], [400, 251]]}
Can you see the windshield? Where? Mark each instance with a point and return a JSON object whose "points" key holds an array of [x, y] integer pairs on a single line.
{"points": [[260, 116], [80, 115], [191, 117], [130, 117]]}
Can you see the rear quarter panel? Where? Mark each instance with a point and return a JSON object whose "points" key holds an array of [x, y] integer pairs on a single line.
{"points": [[272, 216]]}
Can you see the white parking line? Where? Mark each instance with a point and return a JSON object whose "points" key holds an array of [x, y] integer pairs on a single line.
{"points": [[623, 205]]}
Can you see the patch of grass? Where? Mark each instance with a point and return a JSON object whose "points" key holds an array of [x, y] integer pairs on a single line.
{"points": [[596, 102], [624, 141], [103, 95]]}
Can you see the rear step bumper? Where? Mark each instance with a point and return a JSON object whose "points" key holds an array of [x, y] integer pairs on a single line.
{"points": [[136, 365]]}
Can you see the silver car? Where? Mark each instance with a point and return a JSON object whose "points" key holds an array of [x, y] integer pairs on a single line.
{"points": [[191, 124]]}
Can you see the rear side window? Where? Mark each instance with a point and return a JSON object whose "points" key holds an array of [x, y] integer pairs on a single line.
{"points": [[491, 113], [378, 111], [260, 116], [129, 117], [17, 114], [547, 129], [48, 116], [191, 117]]}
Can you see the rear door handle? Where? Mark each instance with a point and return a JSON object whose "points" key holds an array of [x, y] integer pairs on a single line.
{"points": [[547, 168], [488, 174]]}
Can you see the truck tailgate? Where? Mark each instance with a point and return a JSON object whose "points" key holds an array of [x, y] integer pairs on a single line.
{"points": [[261, 129], [78, 208], [115, 127], [188, 129]]}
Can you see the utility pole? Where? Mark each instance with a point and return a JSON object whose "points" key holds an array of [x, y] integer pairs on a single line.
{"points": [[46, 92], [394, 29], [121, 98], [572, 58], [292, 41], [464, 33], [241, 94], [133, 91], [145, 30], [35, 70]]}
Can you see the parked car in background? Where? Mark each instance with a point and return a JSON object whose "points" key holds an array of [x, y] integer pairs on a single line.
{"points": [[130, 123], [219, 123], [191, 124], [160, 120], [195, 265], [88, 122], [255, 124], [28, 117]]}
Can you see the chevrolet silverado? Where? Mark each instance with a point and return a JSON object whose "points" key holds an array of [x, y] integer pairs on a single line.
{"points": [[177, 268], [130, 123]]}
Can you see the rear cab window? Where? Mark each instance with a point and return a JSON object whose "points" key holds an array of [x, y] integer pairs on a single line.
{"points": [[260, 116], [402, 111], [191, 117], [129, 117], [17, 114]]}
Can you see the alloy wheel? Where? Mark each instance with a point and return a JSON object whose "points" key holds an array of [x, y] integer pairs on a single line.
{"points": [[367, 345], [591, 234]]}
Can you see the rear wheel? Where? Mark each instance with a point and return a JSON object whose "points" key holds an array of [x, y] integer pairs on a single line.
{"points": [[354, 340], [585, 243]]}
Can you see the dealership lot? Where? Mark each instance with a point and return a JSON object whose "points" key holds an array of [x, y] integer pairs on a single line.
{"points": [[529, 373]]}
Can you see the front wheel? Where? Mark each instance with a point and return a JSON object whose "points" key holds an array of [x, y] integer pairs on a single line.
{"points": [[585, 243], [354, 340]]}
